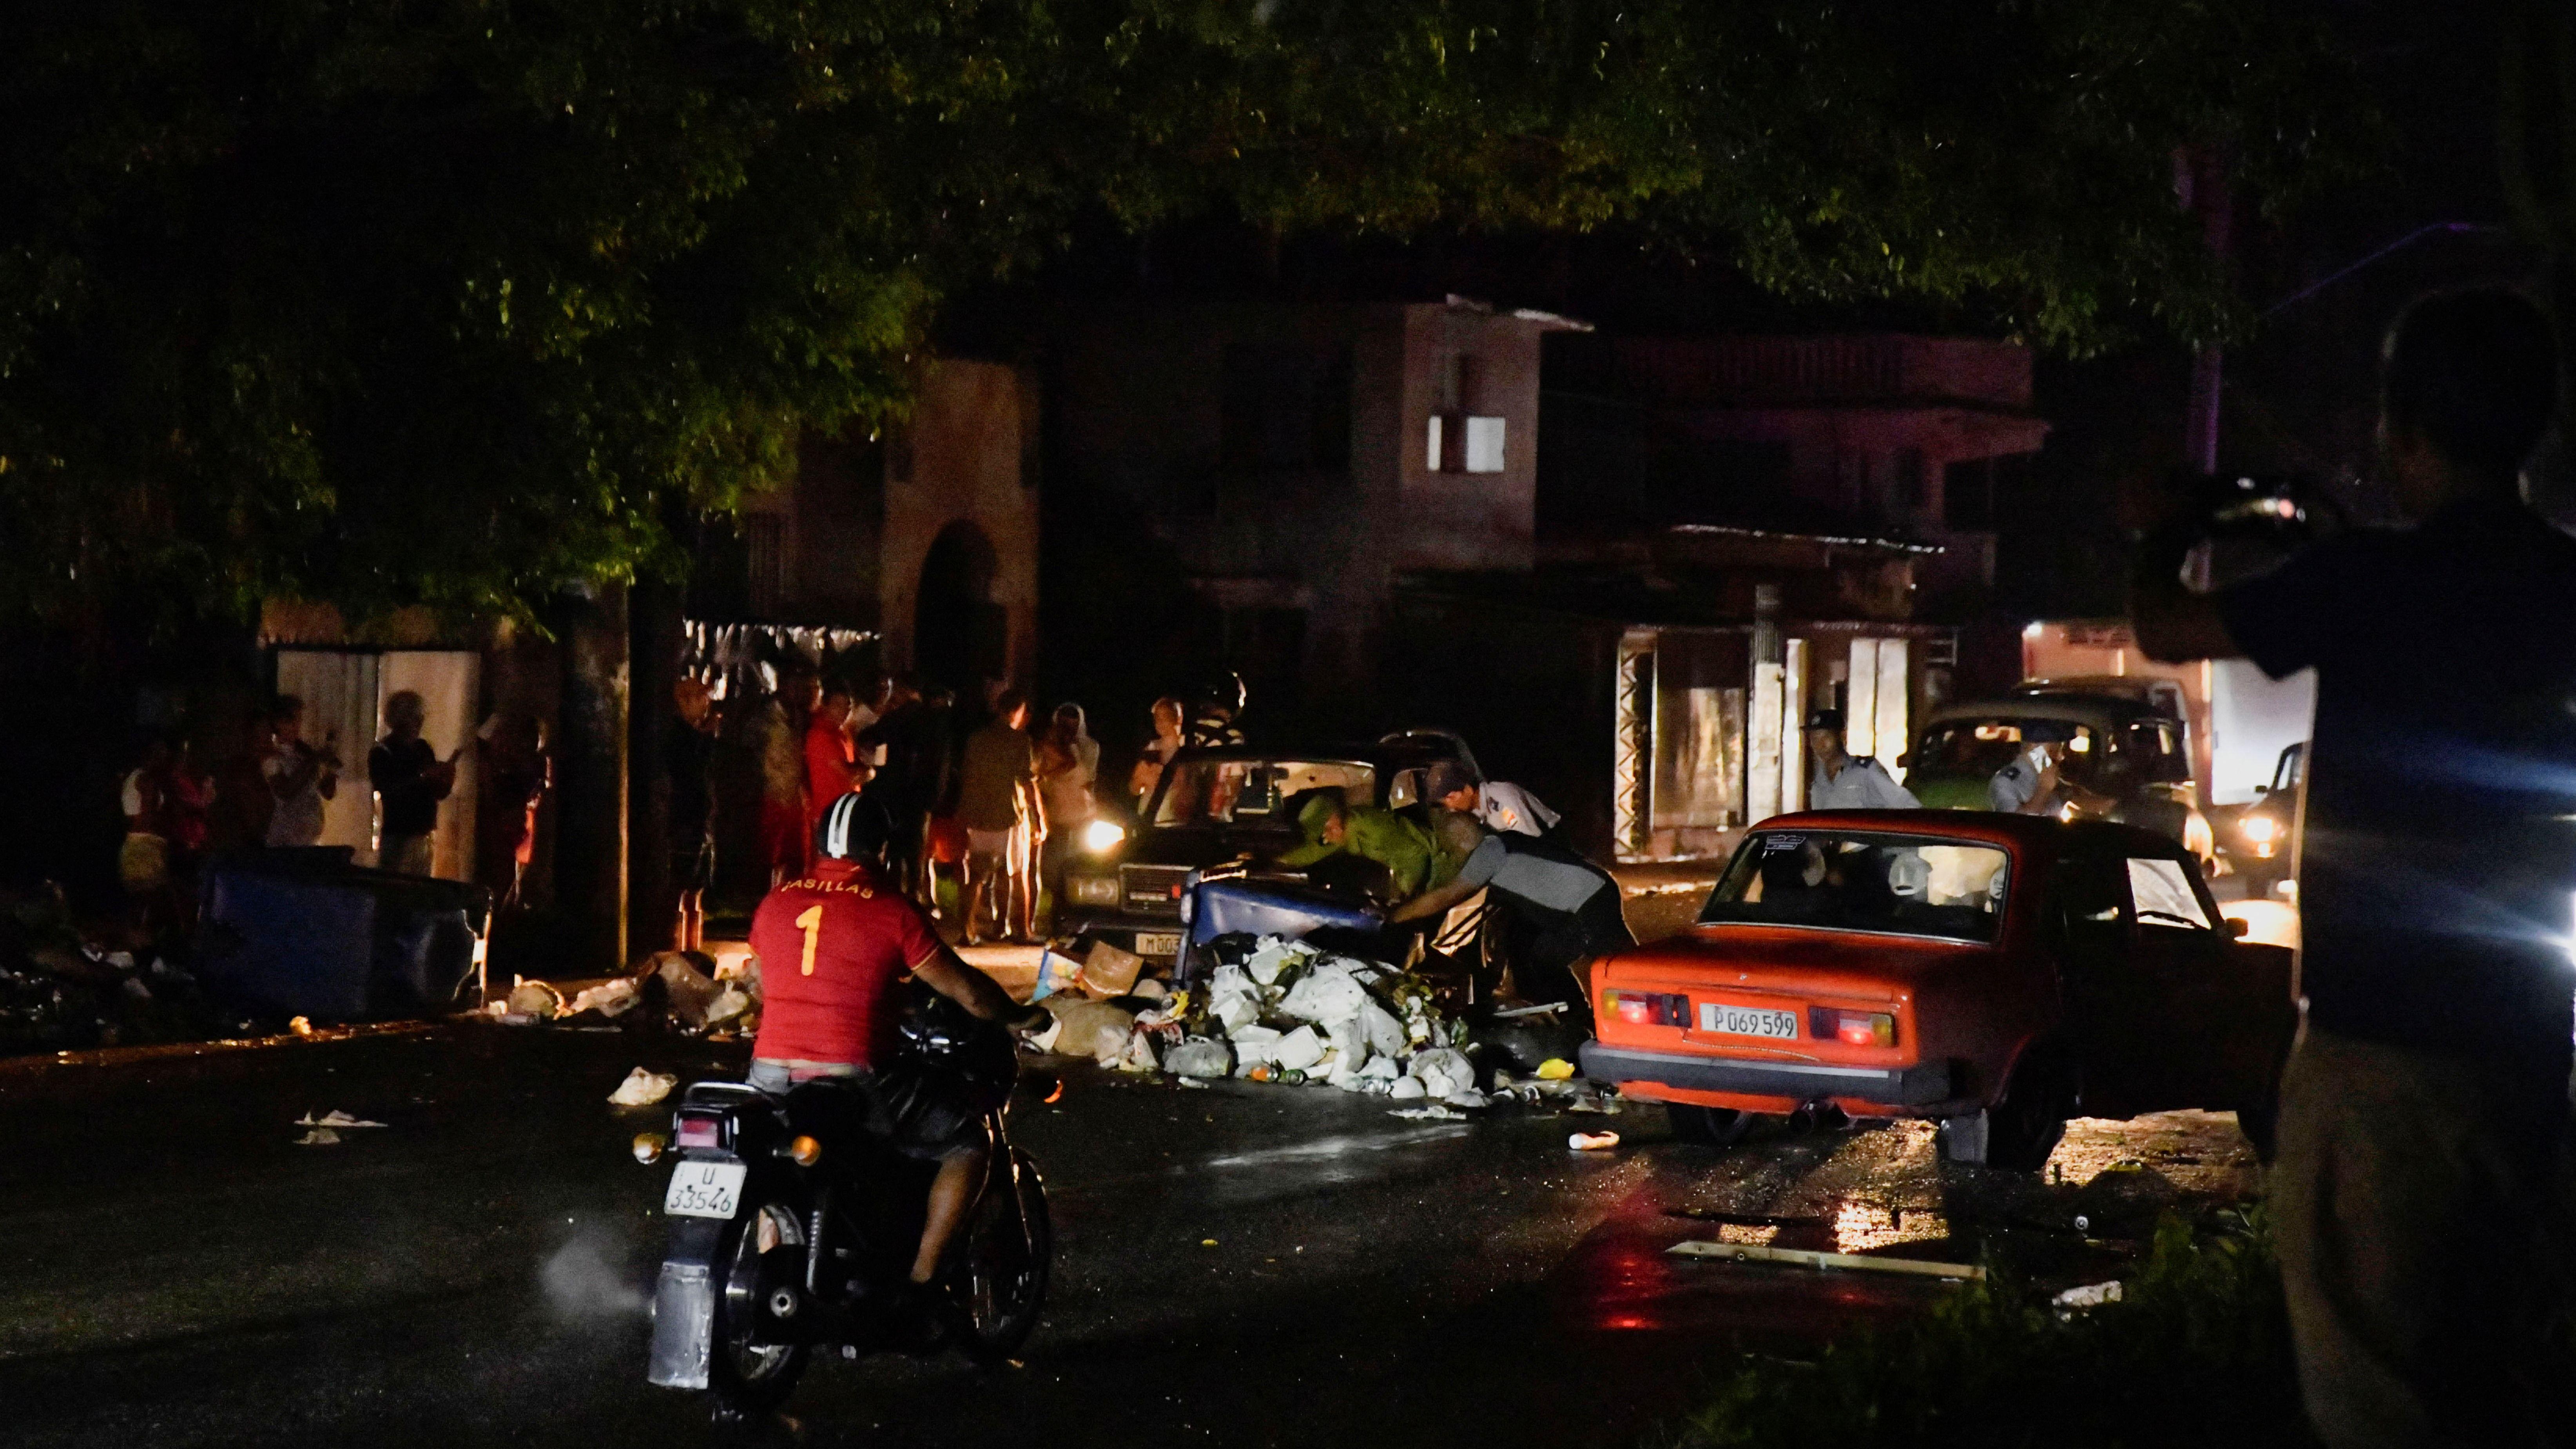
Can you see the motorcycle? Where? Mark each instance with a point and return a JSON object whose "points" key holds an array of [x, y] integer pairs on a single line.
{"points": [[792, 1233]]}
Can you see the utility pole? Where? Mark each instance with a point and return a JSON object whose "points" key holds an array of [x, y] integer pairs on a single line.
{"points": [[2200, 183]]}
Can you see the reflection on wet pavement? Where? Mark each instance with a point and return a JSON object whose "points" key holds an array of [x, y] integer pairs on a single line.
{"points": [[1882, 1190]]}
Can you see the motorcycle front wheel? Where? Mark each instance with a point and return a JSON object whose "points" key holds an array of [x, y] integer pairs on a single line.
{"points": [[750, 1370], [1009, 1251]]}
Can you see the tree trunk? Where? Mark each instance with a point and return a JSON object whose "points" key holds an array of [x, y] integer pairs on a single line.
{"points": [[654, 623], [590, 781]]}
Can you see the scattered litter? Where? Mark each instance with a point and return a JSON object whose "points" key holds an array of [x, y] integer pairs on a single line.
{"points": [[1445, 1072], [1545, 1008], [535, 999], [1298, 1050], [1433, 1113], [642, 1088], [1805, 1258], [612, 998], [2091, 1295], [1555, 1069], [1408, 1089], [1108, 971], [688, 988], [301, 1026], [731, 1004], [1192, 1082], [1086, 1028], [319, 1137], [333, 1118], [1200, 1057], [1593, 1141]]}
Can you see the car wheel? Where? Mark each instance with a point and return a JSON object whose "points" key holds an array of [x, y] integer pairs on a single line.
{"points": [[2017, 1133], [1708, 1126], [2261, 1126]]}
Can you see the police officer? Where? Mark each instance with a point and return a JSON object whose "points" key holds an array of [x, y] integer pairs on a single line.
{"points": [[1848, 782], [1567, 909], [1213, 722]]}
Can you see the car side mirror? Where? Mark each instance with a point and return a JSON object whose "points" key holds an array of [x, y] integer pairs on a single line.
{"points": [[2237, 927], [2262, 789]]}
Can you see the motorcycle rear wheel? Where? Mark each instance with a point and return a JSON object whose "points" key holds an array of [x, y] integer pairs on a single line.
{"points": [[1009, 1251], [749, 1373]]}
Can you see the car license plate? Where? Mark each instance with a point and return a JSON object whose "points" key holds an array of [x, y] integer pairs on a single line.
{"points": [[1158, 943], [1717, 1016], [705, 1190]]}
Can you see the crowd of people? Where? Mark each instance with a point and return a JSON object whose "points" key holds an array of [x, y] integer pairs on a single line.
{"points": [[987, 810], [273, 789]]}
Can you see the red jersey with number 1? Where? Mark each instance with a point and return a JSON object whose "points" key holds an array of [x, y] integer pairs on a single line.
{"points": [[835, 949]]}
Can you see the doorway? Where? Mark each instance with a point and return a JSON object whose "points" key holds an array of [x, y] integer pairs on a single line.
{"points": [[344, 693], [960, 636]]}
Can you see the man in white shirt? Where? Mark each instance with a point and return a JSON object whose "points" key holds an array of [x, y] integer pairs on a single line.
{"points": [[1496, 804], [1848, 782]]}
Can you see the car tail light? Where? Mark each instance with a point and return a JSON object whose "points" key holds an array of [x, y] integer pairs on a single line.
{"points": [[695, 1131], [1646, 1008], [1852, 1028]]}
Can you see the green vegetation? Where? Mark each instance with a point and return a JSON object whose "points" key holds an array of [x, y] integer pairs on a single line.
{"points": [[458, 302], [2195, 1352]]}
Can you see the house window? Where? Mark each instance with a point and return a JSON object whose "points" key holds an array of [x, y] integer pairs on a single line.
{"points": [[1285, 408]]}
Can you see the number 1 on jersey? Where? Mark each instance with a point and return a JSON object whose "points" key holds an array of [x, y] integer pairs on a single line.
{"points": [[811, 923]]}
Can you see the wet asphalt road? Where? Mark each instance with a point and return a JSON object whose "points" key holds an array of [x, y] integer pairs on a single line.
{"points": [[174, 1271]]}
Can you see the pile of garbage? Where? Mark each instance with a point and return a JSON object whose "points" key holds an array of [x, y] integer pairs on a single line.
{"points": [[61, 990], [685, 991], [1293, 1013]]}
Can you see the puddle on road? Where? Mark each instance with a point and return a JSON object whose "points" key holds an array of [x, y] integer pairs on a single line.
{"points": [[1883, 1191]]}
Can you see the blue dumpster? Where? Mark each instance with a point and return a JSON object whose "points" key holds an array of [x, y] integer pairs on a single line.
{"points": [[307, 933]]}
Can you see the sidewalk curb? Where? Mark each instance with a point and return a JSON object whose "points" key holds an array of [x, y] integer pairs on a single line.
{"points": [[163, 1051]]}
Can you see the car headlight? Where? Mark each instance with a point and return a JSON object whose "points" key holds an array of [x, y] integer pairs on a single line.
{"points": [[2260, 829], [1093, 890], [1102, 836]]}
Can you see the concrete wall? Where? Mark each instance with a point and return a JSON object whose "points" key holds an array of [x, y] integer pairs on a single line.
{"points": [[964, 458]]}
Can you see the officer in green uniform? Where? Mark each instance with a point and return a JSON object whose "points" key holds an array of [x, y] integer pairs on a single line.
{"points": [[1333, 826]]}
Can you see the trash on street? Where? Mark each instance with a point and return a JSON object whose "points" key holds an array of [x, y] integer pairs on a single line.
{"points": [[2089, 1295], [1805, 1258], [1593, 1141], [335, 1118], [612, 998], [319, 1137], [534, 1000], [642, 1088]]}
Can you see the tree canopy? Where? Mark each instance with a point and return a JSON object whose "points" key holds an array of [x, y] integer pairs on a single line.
{"points": [[459, 301]]}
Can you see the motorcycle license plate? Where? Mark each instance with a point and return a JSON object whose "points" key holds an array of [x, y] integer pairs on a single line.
{"points": [[1747, 1021], [1158, 943], [705, 1190]]}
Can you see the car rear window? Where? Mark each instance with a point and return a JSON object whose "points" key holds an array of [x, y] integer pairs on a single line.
{"points": [[1891, 884], [1978, 748], [1251, 792]]}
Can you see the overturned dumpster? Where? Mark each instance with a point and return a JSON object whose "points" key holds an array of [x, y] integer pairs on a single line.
{"points": [[309, 933]]}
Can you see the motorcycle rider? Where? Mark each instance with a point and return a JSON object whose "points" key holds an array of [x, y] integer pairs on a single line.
{"points": [[837, 946]]}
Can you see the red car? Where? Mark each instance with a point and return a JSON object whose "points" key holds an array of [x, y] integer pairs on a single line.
{"points": [[1995, 973]]}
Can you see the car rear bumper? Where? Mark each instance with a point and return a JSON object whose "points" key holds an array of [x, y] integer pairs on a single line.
{"points": [[1914, 1086], [1121, 930]]}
